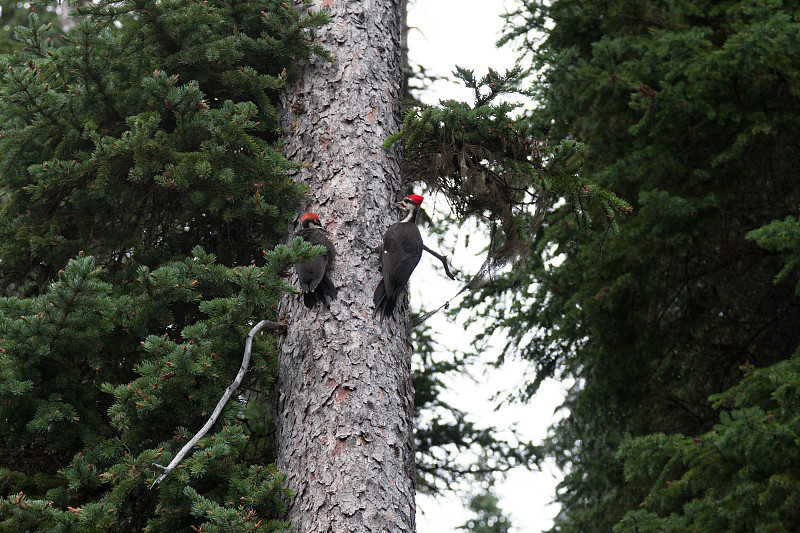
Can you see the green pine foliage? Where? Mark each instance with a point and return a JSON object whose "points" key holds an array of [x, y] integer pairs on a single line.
{"points": [[142, 184], [783, 237], [690, 111], [101, 381], [143, 141], [490, 161], [12, 15], [741, 476]]}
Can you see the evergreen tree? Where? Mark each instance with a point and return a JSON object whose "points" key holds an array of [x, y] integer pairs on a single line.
{"points": [[143, 183], [743, 474], [143, 142], [12, 16], [690, 112]]}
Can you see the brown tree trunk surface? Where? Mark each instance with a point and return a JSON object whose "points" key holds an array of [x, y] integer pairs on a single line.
{"points": [[345, 410]]}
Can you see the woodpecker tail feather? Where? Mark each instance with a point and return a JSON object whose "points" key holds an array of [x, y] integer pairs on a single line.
{"points": [[324, 291], [380, 294], [309, 299], [379, 299], [383, 304]]}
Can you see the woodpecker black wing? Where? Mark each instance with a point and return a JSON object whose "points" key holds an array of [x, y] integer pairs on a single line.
{"points": [[402, 249], [312, 275], [379, 297], [400, 257]]}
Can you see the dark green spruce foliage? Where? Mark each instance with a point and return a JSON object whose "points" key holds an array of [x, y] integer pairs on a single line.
{"points": [[141, 181], [690, 111], [12, 16], [783, 237], [741, 476], [141, 142], [101, 381]]}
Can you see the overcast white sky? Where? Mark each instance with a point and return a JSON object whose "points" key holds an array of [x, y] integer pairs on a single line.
{"points": [[447, 33]]}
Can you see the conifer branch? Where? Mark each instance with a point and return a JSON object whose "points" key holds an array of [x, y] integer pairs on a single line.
{"points": [[248, 346]]}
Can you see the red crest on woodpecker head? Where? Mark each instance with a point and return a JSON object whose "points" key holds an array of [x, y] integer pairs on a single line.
{"points": [[309, 216], [416, 198]]}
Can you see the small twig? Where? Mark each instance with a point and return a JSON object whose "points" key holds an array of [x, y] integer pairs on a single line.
{"points": [[420, 319], [248, 347], [477, 281], [603, 240], [441, 258]]}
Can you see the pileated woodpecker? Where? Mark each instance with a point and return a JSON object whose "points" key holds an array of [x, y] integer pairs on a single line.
{"points": [[312, 275], [400, 253]]}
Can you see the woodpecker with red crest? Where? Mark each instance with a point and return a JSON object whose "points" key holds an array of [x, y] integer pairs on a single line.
{"points": [[312, 275], [400, 253]]}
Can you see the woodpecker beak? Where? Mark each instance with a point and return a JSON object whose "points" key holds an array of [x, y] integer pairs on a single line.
{"points": [[400, 205]]}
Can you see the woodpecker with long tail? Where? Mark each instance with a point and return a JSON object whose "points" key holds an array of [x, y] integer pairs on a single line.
{"points": [[400, 253], [313, 275]]}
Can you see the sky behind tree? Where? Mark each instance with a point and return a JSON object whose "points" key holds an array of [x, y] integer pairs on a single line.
{"points": [[446, 33]]}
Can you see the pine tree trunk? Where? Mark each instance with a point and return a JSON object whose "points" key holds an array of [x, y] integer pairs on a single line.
{"points": [[345, 411]]}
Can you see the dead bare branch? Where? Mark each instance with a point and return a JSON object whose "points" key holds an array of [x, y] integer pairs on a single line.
{"points": [[248, 347], [441, 258]]}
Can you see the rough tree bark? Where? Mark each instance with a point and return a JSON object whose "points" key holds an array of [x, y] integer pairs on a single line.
{"points": [[345, 410]]}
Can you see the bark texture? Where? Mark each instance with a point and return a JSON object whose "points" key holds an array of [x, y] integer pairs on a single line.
{"points": [[345, 410]]}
